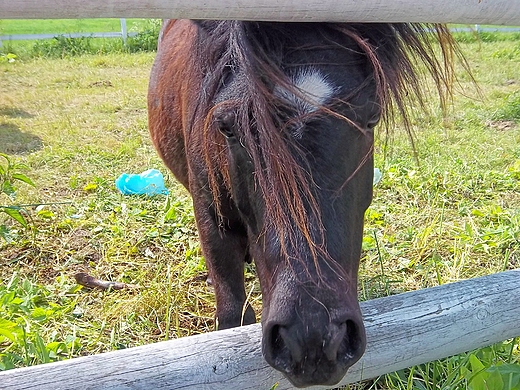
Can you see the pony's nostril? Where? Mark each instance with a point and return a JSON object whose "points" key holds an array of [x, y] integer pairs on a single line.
{"points": [[283, 351], [291, 343], [353, 344], [337, 336]]}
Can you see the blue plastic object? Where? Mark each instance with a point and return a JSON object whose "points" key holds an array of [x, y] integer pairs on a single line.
{"points": [[150, 182], [377, 175]]}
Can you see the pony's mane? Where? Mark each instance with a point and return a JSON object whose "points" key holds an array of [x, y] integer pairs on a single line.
{"points": [[397, 54]]}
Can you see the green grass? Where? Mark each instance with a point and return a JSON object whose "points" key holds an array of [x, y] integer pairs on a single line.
{"points": [[60, 46], [62, 26], [79, 122]]}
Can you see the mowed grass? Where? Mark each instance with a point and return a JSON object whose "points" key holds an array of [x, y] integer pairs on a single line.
{"points": [[78, 123], [140, 30], [63, 26]]}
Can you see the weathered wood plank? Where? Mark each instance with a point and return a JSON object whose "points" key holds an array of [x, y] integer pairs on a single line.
{"points": [[402, 330], [506, 12]]}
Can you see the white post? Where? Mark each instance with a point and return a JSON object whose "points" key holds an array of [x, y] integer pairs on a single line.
{"points": [[124, 32]]}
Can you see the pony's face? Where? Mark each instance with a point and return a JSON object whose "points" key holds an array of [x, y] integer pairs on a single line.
{"points": [[312, 325]]}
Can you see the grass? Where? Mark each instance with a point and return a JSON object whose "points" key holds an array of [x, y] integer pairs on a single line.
{"points": [[79, 122], [146, 39], [62, 26]]}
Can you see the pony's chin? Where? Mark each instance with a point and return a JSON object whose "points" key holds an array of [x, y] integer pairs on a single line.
{"points": [[316, 378]]}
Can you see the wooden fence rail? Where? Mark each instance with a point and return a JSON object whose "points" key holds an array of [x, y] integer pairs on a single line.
{"points": [[402, 330], [505, 12]]}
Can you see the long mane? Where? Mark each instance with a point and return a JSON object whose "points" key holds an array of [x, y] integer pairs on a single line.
{"points": [[397, 54]]}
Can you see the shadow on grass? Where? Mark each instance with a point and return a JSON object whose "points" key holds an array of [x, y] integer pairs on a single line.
{"points": [[13, 112], [15, 141]]}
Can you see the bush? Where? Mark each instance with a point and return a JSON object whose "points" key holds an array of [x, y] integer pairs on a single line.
{"points": [[62, 46], [145, 40]]}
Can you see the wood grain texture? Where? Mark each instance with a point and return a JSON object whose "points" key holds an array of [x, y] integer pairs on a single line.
{"points": [[505, 12], [403, 330]]}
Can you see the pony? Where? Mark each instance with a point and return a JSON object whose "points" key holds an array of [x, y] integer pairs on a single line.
{"points": [[270, 127]]}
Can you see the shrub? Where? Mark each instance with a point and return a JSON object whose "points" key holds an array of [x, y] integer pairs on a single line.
{"points": [[146, 39]]}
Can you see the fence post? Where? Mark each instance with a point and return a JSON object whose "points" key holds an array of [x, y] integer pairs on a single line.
{"points": [[124, 31]]}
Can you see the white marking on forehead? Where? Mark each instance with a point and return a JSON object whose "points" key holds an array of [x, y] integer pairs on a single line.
{"points": [[313, 90], [316, 88]]}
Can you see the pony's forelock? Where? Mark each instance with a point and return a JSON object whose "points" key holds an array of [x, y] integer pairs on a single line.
{"points": [[395, 52]]}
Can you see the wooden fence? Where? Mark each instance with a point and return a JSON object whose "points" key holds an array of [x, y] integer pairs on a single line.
{"points": [[402, 330], [504, 12]]}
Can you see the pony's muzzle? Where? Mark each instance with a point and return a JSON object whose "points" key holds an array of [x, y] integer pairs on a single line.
{"points": [[316, 353]]}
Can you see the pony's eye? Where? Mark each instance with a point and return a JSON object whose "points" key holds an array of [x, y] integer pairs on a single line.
{"points": [[227, 131], [372, 122], [226, 124]]}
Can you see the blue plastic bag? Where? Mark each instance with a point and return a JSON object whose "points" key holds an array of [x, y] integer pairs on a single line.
{"points": [[150, 182]]}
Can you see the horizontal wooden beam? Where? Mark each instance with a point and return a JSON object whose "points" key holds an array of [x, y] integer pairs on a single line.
{"points": [[403, 330], [504, 12]]}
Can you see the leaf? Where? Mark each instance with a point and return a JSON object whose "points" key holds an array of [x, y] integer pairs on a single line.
{"points": [[171, 214], [9, 329], [9, 189], [5, 233], [41, 349], [7, 361], [8, 334], [494, 380], [14, 212], [479, 376], [46, 214], [510, 374], [39, 314], [90, 187], [57, 347], [22, 177]]}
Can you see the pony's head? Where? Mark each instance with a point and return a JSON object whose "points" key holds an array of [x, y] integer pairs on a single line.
{"points": [[288, 144]]}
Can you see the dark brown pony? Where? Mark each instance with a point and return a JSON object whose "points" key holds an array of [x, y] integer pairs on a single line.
{"points": [[270, 128]]}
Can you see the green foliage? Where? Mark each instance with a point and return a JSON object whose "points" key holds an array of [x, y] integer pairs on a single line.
{"points": [[490, 368], [62, 46], [10, 174], [25, 309], [146, 38], [510, 107], [486, 36], [509, 53], [7, 57]]}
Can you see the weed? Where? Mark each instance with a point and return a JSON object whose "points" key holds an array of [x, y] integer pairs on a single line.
{"points": [[510, 108], [7, 57], [25, 310], [62, 46], [10, 174]]}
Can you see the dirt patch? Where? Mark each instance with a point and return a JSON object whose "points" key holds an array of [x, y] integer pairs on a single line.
{"points": [[501, 125]]}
